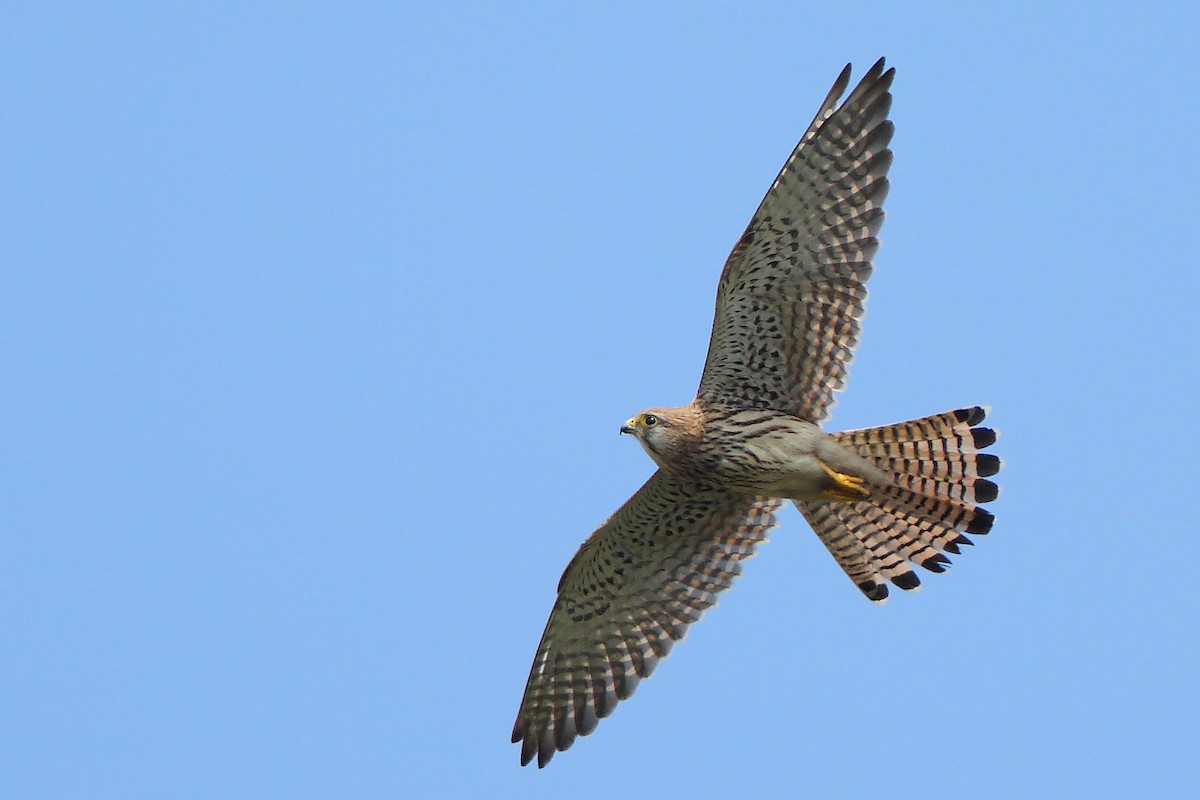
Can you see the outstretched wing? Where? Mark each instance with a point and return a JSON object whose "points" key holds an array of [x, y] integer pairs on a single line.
{"points": [[793, 289], [627, 596]]}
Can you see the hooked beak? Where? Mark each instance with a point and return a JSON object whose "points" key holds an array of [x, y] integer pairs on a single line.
{"points": [[627, 427]]}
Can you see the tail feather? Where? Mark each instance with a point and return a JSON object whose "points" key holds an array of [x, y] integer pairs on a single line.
{"points": [[953, 514], [938, 480], [941, 444], [964, 490]]}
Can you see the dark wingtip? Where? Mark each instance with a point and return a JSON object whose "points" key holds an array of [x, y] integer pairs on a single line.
{"points": [[528, 749], [887, 76], [907, 581], [876, 70], [588, 720], [879, 79], [843, 78]]}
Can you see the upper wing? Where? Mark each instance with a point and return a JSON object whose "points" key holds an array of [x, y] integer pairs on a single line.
{"points": [[629, 594], [793, 289]]}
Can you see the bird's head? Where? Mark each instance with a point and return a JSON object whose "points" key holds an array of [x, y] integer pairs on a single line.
{"points": [[661, 431]]}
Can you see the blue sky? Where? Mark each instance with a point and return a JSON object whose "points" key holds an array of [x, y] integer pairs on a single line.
{"points": [[319, 324]]}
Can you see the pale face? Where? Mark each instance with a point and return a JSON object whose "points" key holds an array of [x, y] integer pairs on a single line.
{"points": [[653, 429]]}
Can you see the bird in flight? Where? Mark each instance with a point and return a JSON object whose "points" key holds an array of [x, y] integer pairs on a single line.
{"points": [[787, 317]]}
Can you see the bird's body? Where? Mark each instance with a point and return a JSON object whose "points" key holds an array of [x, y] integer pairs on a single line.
{"points": [[882, 500], [756, 451]]}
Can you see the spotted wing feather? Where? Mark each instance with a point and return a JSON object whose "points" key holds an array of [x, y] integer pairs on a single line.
{"points": [[793, 289], [627, 596]]}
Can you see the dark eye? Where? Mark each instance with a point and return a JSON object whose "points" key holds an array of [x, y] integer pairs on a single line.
{"points": [[649, 420]]}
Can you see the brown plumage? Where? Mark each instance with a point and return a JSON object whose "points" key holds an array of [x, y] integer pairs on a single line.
{"points": [[786, 323]]}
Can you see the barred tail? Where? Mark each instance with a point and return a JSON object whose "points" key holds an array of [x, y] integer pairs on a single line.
{"points": [[939, 478]]}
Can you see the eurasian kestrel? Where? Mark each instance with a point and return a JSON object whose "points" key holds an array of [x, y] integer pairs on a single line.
{"points": [[787, 320]]}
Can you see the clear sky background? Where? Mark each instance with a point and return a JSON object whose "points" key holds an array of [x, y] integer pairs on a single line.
{"points": [[319, 322]]}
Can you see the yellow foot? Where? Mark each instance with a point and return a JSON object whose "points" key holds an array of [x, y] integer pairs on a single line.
{"points": [[845, 487]]}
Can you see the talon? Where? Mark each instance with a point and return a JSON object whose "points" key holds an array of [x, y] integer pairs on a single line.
{"points": [[845, 487]]}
